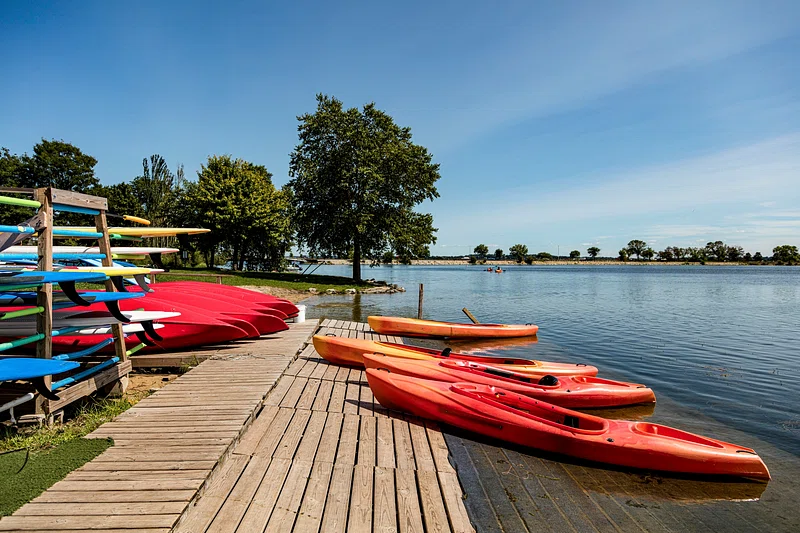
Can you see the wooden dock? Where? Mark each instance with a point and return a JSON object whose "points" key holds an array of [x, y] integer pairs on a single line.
{"points": [[212, 451], [324, 456], [257, 440], [168, 447]]}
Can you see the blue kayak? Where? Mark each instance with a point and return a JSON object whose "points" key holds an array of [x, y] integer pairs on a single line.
{"points": [[38, 277], [27, 368]]}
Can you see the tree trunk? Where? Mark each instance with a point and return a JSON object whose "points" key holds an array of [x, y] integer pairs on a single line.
{"points": [[356, 261]]}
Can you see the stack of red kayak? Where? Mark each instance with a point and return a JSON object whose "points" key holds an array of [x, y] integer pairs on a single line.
{"points": [[529, 403], [209, 314]]}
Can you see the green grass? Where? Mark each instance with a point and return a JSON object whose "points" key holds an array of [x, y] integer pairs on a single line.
{"points": [[42, 470], [82, 421], [54, 452], [284, 280]]}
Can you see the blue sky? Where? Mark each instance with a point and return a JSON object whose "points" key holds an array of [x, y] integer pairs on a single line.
{"points": [[559, 125]]}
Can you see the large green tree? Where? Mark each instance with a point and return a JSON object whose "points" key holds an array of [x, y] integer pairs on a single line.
{"points": [[155, 190], [518, 252], [717, 250], [356, 177], [593, 251], [53, 164], [636, 247], [481, 251], [786, 254], [61, 165], [247, 216]]}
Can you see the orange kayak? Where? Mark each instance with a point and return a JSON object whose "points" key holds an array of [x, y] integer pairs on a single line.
{"points": [[412, 327], [575, 392], [515, 418], [344, 351]]}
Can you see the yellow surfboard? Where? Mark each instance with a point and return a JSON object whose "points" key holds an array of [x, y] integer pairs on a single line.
{"points": [[115, 271], [140, 232]]}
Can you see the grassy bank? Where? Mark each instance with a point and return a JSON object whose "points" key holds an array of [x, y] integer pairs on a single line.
{"points": [[283, 280], [21, 480], [52, 452]]}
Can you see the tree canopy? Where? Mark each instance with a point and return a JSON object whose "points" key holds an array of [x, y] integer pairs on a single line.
{"points": [[53, 164], [785, 254], [636, 247], [355, 178], [593, 251], [498, 254], [481, 251], [574, 254], [518, 252], [237, 201]]}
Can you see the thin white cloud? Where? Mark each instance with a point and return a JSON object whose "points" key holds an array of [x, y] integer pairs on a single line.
{"points": [[597, 50], [742, 174]]}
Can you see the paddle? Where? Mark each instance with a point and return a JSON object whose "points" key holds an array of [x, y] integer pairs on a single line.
{"points": [[470, 315]]}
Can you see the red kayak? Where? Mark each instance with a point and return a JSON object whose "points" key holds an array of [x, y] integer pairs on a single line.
{"points": [[346, 351], [575, 392], [263, 322], [511, 417], [248, 296]]}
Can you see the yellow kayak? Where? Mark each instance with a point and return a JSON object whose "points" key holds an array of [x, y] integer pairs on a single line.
{"points": [[139, 232]]}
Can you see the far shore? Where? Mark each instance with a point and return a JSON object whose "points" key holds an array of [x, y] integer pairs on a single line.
{"points": [[562, 262]]}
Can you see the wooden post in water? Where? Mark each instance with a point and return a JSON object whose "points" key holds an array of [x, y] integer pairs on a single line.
{"points": [[419, 308]]}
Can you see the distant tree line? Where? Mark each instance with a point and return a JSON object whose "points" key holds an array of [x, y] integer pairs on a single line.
{"points": [[716, 251]]}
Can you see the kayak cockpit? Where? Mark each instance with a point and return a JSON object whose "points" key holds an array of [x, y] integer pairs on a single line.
{"points": [[646, 428]]}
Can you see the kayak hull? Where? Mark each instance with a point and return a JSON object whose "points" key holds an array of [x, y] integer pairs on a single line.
{"points": [[532, 423], [263, 323], [574, 392], [247, 297], [412, 327], [349, 352]]}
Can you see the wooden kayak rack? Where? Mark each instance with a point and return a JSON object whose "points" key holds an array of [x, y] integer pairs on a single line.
{"points": [[110, 376]]}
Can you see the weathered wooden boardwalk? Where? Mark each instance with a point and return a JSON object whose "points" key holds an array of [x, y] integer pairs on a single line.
{"points": [[211, 453], [166, 446], [324, 456]]}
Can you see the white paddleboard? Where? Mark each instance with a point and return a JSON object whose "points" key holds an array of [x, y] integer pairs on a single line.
{"points": [[106, 330], [24, 326]]}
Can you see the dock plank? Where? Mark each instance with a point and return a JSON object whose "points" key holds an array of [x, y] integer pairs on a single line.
{"points": [[360, 516]]}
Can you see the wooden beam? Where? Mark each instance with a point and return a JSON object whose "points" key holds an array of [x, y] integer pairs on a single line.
{"points": [[44, 294], [105, 247], [77, 199], [18, 190], [89, 385]]}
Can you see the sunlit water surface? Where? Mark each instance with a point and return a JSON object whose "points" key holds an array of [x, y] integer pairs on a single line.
{"points": [[721, 341]]}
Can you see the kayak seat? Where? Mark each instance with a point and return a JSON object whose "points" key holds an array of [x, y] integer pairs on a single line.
{"points": [[548, 381], [446, 352], [571, 421]]}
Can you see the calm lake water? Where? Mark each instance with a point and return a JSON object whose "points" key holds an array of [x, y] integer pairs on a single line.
{"points": [[722, 342]]}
